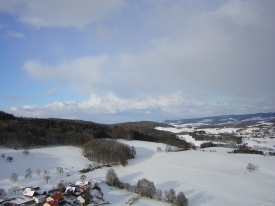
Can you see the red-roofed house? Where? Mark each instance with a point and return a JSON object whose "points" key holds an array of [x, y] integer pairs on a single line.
{"points": [[57, 197], [51, 203]]}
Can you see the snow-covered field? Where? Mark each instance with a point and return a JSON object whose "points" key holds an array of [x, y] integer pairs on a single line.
{"points": [[206, 178], [191, 128]]}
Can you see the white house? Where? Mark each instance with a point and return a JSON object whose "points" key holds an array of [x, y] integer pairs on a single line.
{"points": [[40, 198]]}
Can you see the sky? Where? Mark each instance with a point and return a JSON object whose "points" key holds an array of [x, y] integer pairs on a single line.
{"points": [[111, 61]]}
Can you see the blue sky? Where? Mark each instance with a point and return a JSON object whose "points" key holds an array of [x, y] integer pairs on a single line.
{"points": [[116, 61]]}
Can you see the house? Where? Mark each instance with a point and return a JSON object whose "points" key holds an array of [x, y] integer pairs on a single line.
{"points": [[35, 188], [85, 195], [70, 190], [40, 199], [51, 203], [23, 201], [81, 183], [59, 198], [81, 201], [85, 188], [29, 192]]}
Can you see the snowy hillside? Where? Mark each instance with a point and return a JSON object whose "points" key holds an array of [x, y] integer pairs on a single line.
{"points": [[227, 119], [206, 178]]}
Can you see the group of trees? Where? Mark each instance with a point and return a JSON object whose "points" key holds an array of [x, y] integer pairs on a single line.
{"points": [[145, 131], [108, 151], [60, 170], [28, 175], [146, 188], [247, 150], [10, 158], [225, 138], [12, 190]]}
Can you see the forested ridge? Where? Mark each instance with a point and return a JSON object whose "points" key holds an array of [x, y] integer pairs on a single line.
{"points": [[20, 132]]}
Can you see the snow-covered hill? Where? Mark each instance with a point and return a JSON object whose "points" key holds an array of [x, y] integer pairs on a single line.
{"points": [[206, 178], [227, 119]]}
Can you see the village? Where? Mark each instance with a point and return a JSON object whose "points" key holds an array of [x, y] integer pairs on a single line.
{"points": [[82, 192], [262, 132]]}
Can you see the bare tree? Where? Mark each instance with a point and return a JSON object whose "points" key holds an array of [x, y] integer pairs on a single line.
{"points": [[45, 172], [61, 187], [172, 195], [82, 177], [26, 152], [127, 186], [111, 177], [250, 167], [60, 170], [159, 149], [14, 177], [38, 172], [2, 193], [9, 159], [181, 200], [158, 195], [13, 190], [133, 152], [168, 148], [146, 188], [28, 173], [47, 178]]}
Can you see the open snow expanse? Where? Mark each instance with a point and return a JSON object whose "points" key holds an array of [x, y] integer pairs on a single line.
{"points": [[206, 178], [191, 128]]}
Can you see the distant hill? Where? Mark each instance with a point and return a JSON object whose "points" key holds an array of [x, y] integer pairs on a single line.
{"points": [[20, 132], [227, 119]]}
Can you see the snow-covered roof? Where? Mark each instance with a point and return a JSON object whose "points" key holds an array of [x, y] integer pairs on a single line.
{"points": [[80, 182], [22, 200], [29, 192]]}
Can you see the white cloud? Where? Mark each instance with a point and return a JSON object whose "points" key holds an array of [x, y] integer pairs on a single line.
{"points": [[220, 53], [16, 34], [63, 13], [51, 92], [224, 51], [81, 73], [105, 33], [176, 105]]}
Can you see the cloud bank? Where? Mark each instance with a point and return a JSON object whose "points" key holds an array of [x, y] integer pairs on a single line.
{"points": [[62, 13], [184, 59], [113, 109], [226, 51]]}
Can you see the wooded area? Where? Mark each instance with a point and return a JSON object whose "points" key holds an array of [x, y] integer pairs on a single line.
{"points": [[20, 132], [108, 152]]}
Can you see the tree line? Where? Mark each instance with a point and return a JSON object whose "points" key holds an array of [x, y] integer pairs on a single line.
{"points": [[225, 138], [20, 132], [146, 188]]}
